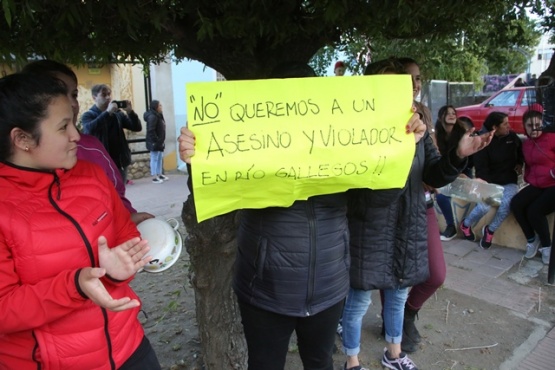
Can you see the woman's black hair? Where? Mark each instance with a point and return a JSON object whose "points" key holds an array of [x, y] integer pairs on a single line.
{"points": [[493, 119], [292, 70], [49, 67], [383, 66], [24, 101], [531, 114], [154, 104], [445, 141], [407, 61]]}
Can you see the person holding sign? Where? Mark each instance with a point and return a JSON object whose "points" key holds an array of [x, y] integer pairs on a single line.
{"points": [[292, 268], [388, 249], [500, 164]]}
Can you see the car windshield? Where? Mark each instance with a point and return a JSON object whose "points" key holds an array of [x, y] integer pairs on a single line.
{"points": [[505, 99]]}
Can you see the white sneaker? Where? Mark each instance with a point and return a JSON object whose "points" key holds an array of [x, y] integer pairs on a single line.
{"points": [[163, 178], [339, 329], [546, 255], [156, 180], [401, 363], [532, 248]]}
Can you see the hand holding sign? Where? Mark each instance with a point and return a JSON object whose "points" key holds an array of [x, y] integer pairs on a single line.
{"points": [[186, 145]]}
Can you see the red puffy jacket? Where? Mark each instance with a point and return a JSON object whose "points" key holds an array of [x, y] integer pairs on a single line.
{"points": [[50, 222], [539, 159]]}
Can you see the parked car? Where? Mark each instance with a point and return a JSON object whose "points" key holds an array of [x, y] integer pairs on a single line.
{"points": [[512, 101]]}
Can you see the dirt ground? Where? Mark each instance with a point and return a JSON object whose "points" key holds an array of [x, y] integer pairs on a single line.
{"points": [[460, 332]]}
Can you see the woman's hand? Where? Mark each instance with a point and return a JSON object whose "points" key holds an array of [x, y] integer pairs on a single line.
{"points": [[186, 145], [92, 287], [125, 260], [429, 189], [470, 144], [416, 125], [139, 217]]}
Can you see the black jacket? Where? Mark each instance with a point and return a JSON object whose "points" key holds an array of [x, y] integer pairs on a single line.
{"points": [[496, 163], [295, 260], [108, 128], [155, 131], [388, 228]]}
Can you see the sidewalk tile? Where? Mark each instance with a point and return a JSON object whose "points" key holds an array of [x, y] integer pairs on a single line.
{"points": [[479, 268]]}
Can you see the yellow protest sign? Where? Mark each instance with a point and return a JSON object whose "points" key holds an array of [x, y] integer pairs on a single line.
{"points": [[265, 143]]}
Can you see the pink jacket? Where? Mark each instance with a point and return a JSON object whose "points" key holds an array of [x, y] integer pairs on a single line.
{"points": [[539, 158], [50, 222], [89, 148]]}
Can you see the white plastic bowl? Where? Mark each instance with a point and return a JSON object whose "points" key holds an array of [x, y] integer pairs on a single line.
{"points": [[164, 240]]}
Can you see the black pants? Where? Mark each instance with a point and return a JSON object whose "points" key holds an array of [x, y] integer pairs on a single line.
{"points": [[144, 358], [530, 207], [268, 335]]}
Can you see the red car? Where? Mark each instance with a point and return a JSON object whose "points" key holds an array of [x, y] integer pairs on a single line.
{"points": [[513, 101]]}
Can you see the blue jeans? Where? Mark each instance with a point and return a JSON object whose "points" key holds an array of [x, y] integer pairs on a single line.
{"points": [[502, 212], [156, 163], [357, 304]]}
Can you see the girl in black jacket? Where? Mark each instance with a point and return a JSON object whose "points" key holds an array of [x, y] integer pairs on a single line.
{"points": [[500, 163], [388, 244], [155, 140]]}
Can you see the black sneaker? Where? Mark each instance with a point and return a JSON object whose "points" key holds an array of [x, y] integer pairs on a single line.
{"points": [[354, 367], [401, 363], [487, 238], [449, 233]]}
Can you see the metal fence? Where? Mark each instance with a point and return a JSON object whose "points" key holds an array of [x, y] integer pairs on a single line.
{"points": [[138, 146], [438, 93]]}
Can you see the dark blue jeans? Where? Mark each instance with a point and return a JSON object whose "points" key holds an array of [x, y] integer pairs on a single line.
{"points": [[268, 335], [444, 203]]}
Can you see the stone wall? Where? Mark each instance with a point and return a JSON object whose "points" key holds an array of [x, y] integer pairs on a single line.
{"points": [[140, 167]]}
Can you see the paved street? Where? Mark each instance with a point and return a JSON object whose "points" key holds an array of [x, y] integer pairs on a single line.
{"points": [[497, 276]]}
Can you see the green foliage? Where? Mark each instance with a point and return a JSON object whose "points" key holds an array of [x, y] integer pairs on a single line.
{"points": [[497, 42], [239, 38], [545, 9]]}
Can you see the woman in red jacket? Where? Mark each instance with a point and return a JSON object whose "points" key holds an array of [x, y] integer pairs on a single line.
{"points": [[531, 204], [68, 247]]}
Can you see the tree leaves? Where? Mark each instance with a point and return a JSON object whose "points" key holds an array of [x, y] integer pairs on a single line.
{"points": [[239, 38]]}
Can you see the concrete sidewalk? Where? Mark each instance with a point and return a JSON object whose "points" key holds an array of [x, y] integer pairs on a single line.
{"points": [[498, 276]]}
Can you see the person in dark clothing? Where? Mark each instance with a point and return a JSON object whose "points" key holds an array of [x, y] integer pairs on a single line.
{"points": [[500, 163], [448, 132], [292, 268], [520, 82], [155, 140], [106, 121], [389, 244]]}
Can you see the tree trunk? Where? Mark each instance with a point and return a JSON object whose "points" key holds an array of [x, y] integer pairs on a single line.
{"points": [[212, 245], [545, 95]]}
